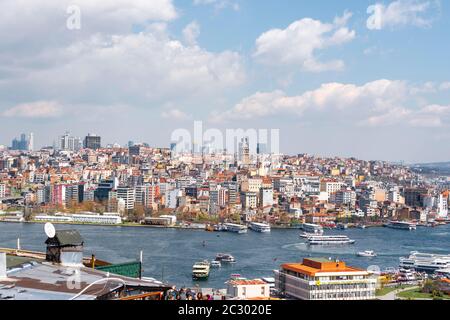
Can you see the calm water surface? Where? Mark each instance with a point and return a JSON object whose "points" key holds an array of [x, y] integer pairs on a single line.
{"points": [[170, 253]]}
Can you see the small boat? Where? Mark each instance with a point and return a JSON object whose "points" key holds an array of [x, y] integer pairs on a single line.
{"points": [[342, 226], [362, 226], [200, 270], [367, 253], [216, 264], [225, 258]]}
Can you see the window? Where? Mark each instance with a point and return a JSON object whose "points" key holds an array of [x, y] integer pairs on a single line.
{"points": [[263, 290]]}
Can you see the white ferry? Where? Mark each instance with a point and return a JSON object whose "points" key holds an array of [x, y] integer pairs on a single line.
{"points": [[225, 258], [200, 270], [425, 262], [329, 240], [236, 228], [259, 227], [402, 225], [367, 254], [312, 228]]}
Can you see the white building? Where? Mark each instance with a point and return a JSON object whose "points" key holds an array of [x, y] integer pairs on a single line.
{"points": [[248, 289], [266, 197], [128, 195], [2, 190], [442, 205], [172, 198]]}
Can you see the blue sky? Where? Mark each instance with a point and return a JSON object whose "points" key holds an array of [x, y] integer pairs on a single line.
{"points": [[333, 82]]}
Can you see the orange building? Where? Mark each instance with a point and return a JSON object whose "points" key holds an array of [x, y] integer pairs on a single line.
{"points": [[324, 279]]}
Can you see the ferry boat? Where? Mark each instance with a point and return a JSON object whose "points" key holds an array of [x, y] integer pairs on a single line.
{"points": [[216, 264], [200, 270], [236, 228], [402, 225], [259, 227], [225, 258], [329, 240], [425, 262], [367, 253], [312, 228]]}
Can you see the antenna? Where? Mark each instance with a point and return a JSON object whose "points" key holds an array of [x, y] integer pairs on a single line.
{"points": [[50, 230]]}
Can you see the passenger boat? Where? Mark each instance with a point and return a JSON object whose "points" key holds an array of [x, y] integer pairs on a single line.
{"points": [[367, 253], [225, 258], [329, 240], [312, 228], [425, 262], [236, 228], [216, 264], [200, 270], [259, 227], [402, 225]]}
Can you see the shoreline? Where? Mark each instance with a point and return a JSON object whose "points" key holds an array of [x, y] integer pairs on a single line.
{"points": [[137, 225]]}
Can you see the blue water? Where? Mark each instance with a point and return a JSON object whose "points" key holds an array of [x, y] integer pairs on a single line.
{"points": [[170, 253]]}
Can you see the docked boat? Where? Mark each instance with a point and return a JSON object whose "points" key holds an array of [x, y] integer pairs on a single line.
{"points": [[362, 226], [259, 227], [312, 228], [329, 240], [402, 225], [216, 264], [225, 258], [236, 228], [342, 226], [200, 270], [425, 262], [367, 253]]}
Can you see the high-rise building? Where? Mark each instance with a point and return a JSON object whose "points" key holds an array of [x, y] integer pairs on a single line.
{"points": [[69, 143], [128, 195], [23, 144], [31, 142], [92, 141]]}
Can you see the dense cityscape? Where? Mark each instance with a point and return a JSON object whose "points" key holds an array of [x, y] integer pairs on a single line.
{"points": [[138, 181], [256, 154]]}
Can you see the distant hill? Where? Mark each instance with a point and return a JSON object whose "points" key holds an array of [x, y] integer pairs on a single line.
{"points": [[433, 168]]}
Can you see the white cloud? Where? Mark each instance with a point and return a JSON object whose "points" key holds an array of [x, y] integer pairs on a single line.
{"points": [[219, 4], [105, 63], [39, 109], [444, 86], [377, 103], [378, 95], [400, 13], [298, 43], [191, 33], [175, 114]]}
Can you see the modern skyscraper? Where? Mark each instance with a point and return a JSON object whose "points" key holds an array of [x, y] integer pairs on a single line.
{"points": [[69, 143], [31, 142], [92, 141], [22, 144]]}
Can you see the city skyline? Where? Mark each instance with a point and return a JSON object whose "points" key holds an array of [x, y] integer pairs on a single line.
{"points": [[364, 79]]}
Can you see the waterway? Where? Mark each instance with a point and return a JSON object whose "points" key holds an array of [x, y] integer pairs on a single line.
{"points": [[170, 253]]}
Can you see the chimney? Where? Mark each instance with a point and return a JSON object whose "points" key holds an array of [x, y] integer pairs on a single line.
{"points": [[3, 265]]}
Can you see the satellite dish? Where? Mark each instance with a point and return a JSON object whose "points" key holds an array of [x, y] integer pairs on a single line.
{"points": [[50, 230]]}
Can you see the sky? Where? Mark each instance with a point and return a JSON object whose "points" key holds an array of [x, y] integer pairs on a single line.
{"points": [[358, 78]]}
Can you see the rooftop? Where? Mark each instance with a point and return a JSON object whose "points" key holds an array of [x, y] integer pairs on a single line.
{"points": [[314, 266]]}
